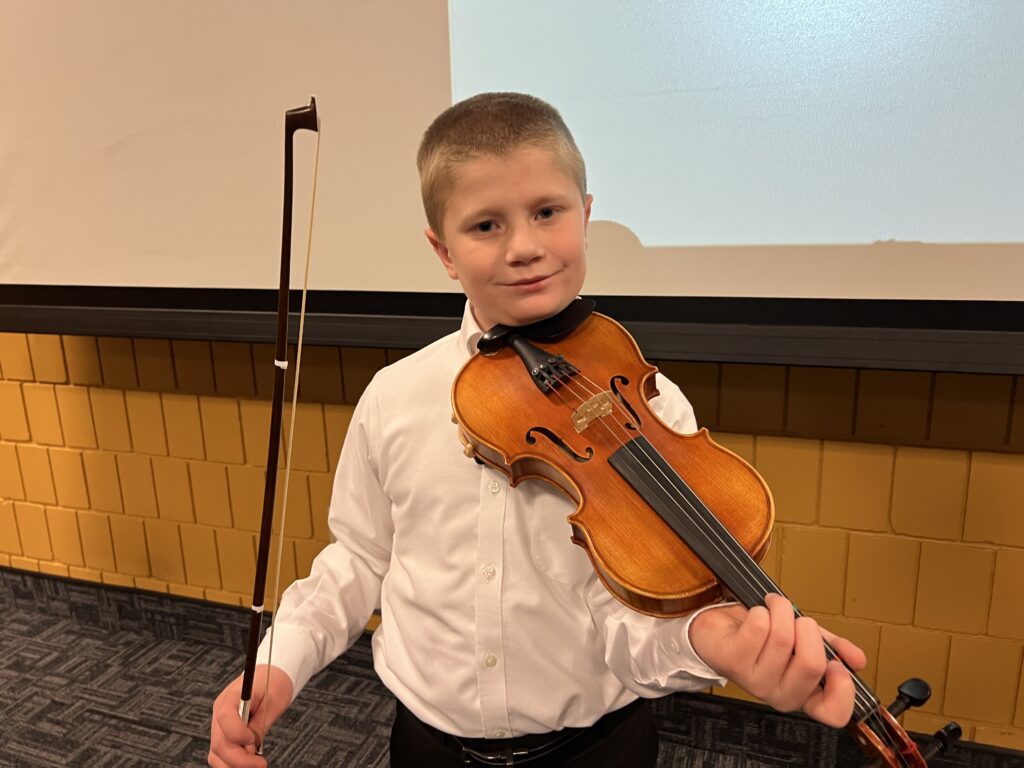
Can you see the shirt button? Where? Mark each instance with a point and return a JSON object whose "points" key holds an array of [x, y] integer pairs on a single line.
{"points": [[490, 660], [500, 733], [489, 572], [494, 486]]}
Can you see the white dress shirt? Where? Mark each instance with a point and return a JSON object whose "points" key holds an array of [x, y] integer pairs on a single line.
{"points": [[493, 624]]}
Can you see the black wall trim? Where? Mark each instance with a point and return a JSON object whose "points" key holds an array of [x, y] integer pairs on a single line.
{"points": [[968, 336]]}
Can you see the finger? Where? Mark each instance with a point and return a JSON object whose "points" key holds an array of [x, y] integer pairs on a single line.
{"points": [[778, 646], [833, 703], [806, 668], [852, 654], [227, 720]]}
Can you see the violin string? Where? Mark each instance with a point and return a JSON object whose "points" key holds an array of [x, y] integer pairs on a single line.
{"points": [[863, 695]]}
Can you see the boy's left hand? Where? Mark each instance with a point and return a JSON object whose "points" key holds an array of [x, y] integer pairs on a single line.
{"points": [[779, 658]]}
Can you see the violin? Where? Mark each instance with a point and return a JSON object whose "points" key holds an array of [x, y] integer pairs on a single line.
{"points": [[670, 522]]}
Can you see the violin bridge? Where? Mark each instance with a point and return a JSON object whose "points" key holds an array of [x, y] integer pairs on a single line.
{"points": [[593, 408]]}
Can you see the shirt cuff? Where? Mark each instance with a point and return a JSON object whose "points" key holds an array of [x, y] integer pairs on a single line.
{"points": [[294, 653], [675, 646]]}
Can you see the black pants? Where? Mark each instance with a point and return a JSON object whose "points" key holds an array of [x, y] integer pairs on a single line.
{"points": [[627, 738]]}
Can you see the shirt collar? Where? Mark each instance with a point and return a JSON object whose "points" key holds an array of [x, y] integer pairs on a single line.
{"points": [[470, 332]]}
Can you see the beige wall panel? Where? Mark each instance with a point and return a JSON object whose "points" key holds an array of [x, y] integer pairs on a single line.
{"points": [[813, 568], [892, 406], [222, 429], [246, 485], [155, 365], [43, 417], [184, 427], [173, 491], [193, 366], [359, 366], [1006, 615], [200, 551], [83, 360], [146, 422], [820, 402], [255, 415], [210, 493], [35, 474], [971, 409], [64, 537], [753, 398], [75, 411], [13, 418], [856, 486], [907, 652], [130, 552], [699, 382], [10, 540], [32, 530], [137, 490], [69, 478], [792, 469], [310, 451], [97, 543], [11, 486], [320, 378], [236, 552], [336, 421], [930, 492], [320, 488], [881, 578], [111, 419], [15, 360], [103, 481], [47, 358], [117, 359], [954, 587], [979, 686], [994, 493], [232, 369], [164, 545]]}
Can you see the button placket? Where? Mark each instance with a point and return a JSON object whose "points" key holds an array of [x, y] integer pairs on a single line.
{"points": [[488, 598]]}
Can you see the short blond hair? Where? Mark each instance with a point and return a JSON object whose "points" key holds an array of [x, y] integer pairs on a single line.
{"points": [[492, 124]]}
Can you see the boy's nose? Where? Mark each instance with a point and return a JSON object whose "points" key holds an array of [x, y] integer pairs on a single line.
{"points": [[524, 246]]}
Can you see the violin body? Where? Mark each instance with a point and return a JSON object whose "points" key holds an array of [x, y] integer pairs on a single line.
{"points": [[670, 522], [513, 426]]}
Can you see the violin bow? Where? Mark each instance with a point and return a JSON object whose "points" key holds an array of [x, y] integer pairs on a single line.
{"points": [[301, 118]]}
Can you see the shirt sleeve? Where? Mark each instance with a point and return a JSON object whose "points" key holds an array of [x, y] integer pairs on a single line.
{"points": [[322, 615], [652, 656]]}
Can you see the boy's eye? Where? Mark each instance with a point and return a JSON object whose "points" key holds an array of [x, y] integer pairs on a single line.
{"points": [[484, 226], [545, 213]]}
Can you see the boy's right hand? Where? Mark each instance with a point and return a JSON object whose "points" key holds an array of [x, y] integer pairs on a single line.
{"points": [[233, 745]]}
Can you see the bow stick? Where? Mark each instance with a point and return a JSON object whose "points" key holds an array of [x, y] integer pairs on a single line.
{"points": [[302, 118]]}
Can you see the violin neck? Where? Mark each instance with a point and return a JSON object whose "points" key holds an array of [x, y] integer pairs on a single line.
{"points": [[653, 478]]}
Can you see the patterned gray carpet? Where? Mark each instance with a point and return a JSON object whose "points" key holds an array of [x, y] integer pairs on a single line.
{"points": [[104, 677]]}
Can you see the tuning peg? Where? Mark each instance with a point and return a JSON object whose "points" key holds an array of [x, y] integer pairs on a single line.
{"points": [[911, 693], [943, 739]]}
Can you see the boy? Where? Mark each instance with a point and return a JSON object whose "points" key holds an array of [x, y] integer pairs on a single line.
{"points": [[499, 642]]}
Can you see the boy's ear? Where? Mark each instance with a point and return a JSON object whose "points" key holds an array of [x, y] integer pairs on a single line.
{"points": [[442, 253], [587, 202]]}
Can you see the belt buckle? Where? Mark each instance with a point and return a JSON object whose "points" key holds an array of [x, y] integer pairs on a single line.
{"points": [[504, 757]]}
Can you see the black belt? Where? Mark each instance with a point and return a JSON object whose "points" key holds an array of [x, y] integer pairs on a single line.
{"points": [[531, 747]]}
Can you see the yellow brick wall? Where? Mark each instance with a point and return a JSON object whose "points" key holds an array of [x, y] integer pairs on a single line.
{"points": [[141, 463]]}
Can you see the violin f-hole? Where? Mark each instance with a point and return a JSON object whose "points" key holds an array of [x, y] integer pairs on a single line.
{"points": [[613, 383], [559, 442]]}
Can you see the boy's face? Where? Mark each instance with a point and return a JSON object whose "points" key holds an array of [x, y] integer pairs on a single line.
{"points": [[514, 235]]}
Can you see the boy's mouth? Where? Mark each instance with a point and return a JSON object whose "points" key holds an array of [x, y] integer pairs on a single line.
{"points": [[529, 281]]}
